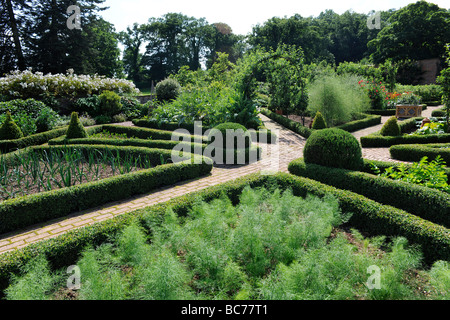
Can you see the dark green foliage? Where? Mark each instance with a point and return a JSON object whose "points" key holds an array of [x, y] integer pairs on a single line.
{"points": [[75, 129], [9, 129], [390, 128], [232, 134], [439, 113], [110, 104], [427, 203], [30, 115], [378, 141], [366, 121], [319, 122], [167, 90], [89, 105], [415, 152], [333, 148], [33, 140]]}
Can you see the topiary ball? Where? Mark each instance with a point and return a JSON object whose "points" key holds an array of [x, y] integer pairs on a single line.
{"points": [[391, 128], [233, 135], [167, 90], [333, 148], [319, 122], [76, 129], [9, 129]]}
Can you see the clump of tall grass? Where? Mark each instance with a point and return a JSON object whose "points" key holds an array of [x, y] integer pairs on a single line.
{"points": [[337, 98]]}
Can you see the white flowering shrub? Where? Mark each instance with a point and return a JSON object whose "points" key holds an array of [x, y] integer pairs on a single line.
{"points": [[26, 84]]}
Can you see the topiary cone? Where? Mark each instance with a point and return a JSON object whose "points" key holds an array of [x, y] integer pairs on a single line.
{"points": [[319, 122], [9, 129], [76, 129], [391, 128]]}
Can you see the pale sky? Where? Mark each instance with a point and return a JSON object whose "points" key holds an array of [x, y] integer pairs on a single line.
{"points": [[240, 15]]}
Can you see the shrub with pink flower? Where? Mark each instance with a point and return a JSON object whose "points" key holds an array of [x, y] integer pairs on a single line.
{"points": [[376, 92]]}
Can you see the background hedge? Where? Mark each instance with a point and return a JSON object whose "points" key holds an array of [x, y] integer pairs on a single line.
{"points": [[172, 126]]}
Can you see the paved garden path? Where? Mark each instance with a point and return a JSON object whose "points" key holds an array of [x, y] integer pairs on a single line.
{"points": [[275, 158]]}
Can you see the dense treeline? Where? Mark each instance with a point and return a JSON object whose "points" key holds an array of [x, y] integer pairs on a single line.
{"points": [[35, 34]]}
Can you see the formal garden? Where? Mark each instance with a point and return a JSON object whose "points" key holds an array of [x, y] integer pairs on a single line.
{"points": [[332, 225]]}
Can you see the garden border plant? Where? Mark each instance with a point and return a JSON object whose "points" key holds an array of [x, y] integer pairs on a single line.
{"points": [[415, 152], [368, 216], [376, 140], [33, 140], [24, 211], [192, 128], [352, 126], [427, 203]]}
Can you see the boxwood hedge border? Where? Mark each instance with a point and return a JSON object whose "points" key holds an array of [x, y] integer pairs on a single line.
{"points": [[366, 121], [427, 203], [25, 211], [415, 152], [271, 137]]}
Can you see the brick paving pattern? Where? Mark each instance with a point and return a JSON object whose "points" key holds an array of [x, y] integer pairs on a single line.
{"points": [[275, 158]]}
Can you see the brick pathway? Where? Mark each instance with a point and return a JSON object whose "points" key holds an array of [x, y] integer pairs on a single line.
{"points": [[275, 158]]}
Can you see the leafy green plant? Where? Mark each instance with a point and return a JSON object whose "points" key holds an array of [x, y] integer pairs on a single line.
{"points": [[432, 128], [110, 104], [431, 174], [167, 89], [35, 283], [408, 98]]}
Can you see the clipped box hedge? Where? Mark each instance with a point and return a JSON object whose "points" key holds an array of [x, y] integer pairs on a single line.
{"points": [[415, 152], [32, 140], [439, 113], [392, 112], [366, 121], [368, 216], [155, 144], [154, 134], [427, 203], [288, 123], [376, 140], [192, 128], [24, 211]]}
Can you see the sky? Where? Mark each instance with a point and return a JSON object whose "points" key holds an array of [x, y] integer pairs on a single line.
{"points": [[240, 15]]}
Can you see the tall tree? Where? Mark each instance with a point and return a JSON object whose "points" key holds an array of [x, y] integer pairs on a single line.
{"points": [[53, 47], [225, 41], [296, 30], [133, 40], [417, 31], [175, 40], [13, 23]]}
